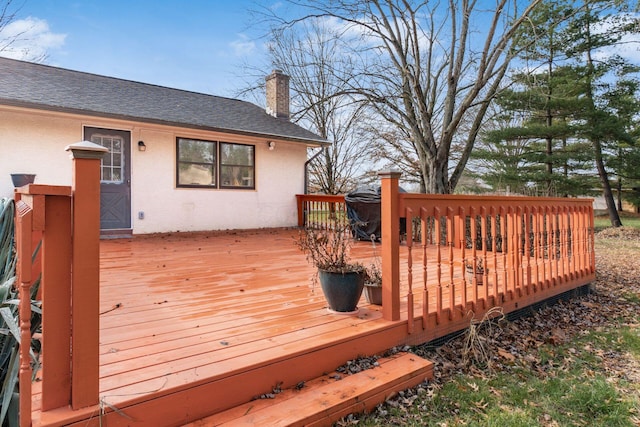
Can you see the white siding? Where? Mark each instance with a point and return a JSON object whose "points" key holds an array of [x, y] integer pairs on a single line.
{"points": [[34, 143]]}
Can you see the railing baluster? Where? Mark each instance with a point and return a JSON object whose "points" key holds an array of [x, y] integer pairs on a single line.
{"points": [[484, 236], [565, 245], [494, 247], [425, 274], [561, 246], [545, 249], [559, 251], [450, 243], [570, 221], [539, 254], [511, 247], [505, 250], [517, 255], [569, 225], [592, 252], [579, 230], [24, 217], [582, 232], [555, 267], [409, 217], [527, 248], [474, 258], [438, 231]]}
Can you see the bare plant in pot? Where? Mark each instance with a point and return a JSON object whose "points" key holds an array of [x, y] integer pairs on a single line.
{"points": [[373, 278], [373, 284], [341, 279]]}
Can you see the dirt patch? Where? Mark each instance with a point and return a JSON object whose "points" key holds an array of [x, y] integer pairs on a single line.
{"points": [[625, 233]]}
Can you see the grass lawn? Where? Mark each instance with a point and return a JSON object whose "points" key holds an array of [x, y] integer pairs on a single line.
{"points": [[628, 220], [576, 363]]}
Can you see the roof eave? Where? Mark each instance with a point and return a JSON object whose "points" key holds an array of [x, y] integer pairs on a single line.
{"points": [[45, 107]]}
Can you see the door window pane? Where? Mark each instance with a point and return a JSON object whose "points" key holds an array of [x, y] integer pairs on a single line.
{"points": [[112, 164]]}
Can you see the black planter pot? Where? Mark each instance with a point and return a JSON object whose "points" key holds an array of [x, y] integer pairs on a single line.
{"points": [[342, 291], [20, 179]]}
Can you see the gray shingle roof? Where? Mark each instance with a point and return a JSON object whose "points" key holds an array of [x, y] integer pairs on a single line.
{"points": [[44, 87]]}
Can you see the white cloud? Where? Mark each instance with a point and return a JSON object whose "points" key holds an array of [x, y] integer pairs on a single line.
{"points": [[276, 6], [628, 47], [29, 39], [243, 46]]}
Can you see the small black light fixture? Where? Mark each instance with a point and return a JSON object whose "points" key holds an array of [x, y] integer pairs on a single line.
{"points": [[141, 146]]}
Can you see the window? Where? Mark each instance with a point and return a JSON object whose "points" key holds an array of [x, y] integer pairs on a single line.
{"points": [[111, 165], [196, 163], [236, 165], [214, 165]]}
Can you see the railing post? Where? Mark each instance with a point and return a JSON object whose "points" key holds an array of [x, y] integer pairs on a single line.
{"points": [[85, 273], [301, 215], [390, 231], [56, 311]]}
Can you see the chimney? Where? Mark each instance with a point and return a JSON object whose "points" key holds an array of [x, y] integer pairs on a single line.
{"points": [[278, 94]]}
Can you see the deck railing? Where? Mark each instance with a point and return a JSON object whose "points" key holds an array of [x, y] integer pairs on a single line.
{"points": [[320, 211], [67, 221], [466, 254], [470, 253]]}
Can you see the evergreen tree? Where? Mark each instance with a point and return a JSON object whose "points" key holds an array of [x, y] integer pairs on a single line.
{"points": [[604, 119], [578, 102], [543, 97]]}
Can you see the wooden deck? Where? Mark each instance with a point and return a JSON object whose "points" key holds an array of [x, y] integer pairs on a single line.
{"points": [[210, 320], [170, 329], [183, 311]]}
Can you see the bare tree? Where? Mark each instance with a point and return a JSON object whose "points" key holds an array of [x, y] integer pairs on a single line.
{"points": [[310, 54], [427, 68], [14, 39], [7, 16]]}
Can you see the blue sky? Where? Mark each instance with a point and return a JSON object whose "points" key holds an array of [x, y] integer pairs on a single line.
{"points": [[195, 45]]}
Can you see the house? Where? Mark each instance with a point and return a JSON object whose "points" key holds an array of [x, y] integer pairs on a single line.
{"points": [[177, 160], [116, 348]]}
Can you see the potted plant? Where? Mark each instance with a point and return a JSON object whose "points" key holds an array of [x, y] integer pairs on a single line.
{"points": [[373, 277], [476, 269], [341, 279], [20, 179], [373, 284]]}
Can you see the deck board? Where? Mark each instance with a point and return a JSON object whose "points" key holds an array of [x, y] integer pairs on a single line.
{"points": [[176, 308]]}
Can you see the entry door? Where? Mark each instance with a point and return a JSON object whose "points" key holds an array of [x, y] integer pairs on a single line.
{"points": [[115, 177]]}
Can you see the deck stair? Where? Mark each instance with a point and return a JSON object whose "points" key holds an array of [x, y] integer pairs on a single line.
{"points": [[326, 399]]}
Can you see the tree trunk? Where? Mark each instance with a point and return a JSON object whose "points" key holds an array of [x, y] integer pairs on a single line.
{"points": [[437, 180], [619, 195], [606, 186], [595, 140]]}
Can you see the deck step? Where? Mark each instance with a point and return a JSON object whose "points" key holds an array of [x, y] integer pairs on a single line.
{"points": [[326, 399]]}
